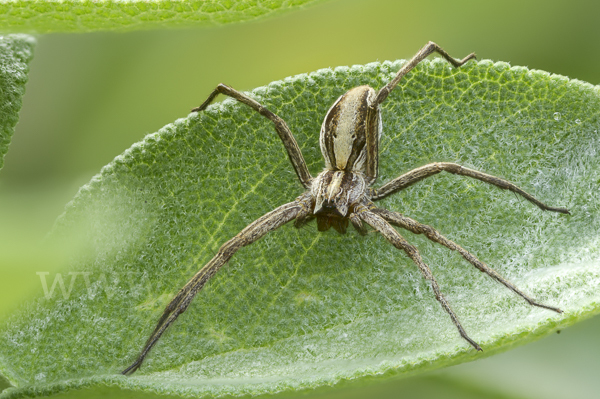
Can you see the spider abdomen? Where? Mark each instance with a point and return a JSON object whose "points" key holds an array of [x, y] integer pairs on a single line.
{"points": [[345, 130]]}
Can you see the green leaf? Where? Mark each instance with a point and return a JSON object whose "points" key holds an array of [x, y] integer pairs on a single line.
{"points": [[43, 16], [301, 309], [15, 53]]}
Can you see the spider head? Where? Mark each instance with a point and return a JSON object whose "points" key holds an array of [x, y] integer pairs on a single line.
{"points": [[330, 208], [335, 191]]}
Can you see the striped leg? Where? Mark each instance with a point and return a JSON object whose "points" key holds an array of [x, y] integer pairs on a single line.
{"points": [[412, 225], [180, 303], [431, 169], [386, 230], [289, 142]]}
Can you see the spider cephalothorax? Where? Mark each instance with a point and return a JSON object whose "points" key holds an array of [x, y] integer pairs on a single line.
{"points": [[342, 193]]}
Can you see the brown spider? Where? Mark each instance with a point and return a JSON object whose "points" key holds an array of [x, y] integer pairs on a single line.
{"points": [[342, 193]]}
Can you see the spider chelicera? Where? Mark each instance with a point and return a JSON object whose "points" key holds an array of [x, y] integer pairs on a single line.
{"points": [[342, 193]]}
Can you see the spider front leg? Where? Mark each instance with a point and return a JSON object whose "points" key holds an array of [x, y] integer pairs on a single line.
{"points": [[428, 49], [412, 225], [373, 114], [431, 169], [257, 229], [281, 127], [386, 230]]}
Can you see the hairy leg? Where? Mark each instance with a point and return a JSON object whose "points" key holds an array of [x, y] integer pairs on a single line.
{"points": [[431, 169], [412, 225], [386, 230], [281, 127], [428, 49], [182, 300]]}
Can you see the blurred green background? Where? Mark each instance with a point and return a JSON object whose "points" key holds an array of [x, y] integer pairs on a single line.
{"points": [[90, 96]]}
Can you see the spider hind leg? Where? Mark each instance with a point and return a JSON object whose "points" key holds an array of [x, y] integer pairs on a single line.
{"points": [[385, 229], [397, 219]]}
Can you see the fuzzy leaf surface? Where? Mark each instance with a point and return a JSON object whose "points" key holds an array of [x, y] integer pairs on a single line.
{"points": [[15, 53], [301, 309]]}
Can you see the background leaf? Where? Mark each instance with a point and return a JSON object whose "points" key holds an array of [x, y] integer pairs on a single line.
{"points": [[43, 16], [15, 53], [301, 309]]}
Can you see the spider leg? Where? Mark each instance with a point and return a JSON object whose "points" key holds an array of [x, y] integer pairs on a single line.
{"points": [[428, 49], [358, 224], [281, 127], [305, 215], [397, 219], [431, 169], [180, 303], [386, 230], [373, 113]]}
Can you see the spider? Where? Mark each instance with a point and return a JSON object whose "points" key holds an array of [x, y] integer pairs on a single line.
{"points": [[342, 192]]}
